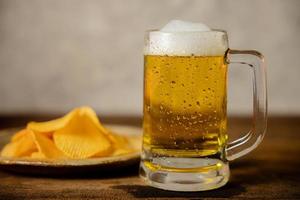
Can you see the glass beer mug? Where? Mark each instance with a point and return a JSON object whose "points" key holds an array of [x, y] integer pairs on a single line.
{"points": [[185, 141]]}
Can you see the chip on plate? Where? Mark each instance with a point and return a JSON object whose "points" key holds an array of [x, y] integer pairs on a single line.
{"points": [[21, 145], [81, 137], [46, 147], [77, 135]]}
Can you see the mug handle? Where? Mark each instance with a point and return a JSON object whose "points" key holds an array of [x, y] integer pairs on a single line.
{"points": [[251, 140]]}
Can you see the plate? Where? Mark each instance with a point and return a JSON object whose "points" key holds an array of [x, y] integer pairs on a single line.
{"points": [[59, 167]]}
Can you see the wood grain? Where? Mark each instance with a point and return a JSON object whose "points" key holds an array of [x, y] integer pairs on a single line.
{"points": [[271, 171]]}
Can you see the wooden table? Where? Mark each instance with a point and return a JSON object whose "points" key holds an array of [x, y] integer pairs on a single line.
{"points": [[271, 171]]}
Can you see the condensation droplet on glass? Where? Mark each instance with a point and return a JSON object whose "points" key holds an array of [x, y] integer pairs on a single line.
{"points": [[160, 128]]}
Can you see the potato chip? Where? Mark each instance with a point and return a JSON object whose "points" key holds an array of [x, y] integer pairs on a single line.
{"points": [[77, 135], [46, 147], [82, 137], [119, 151], [22, 145], [37, 155], [85, 110], [19, 135], [56, 124], [120, 143], [51, 126]]}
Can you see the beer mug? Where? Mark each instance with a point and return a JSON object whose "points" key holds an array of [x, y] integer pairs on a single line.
{"points": [[185, 141]]}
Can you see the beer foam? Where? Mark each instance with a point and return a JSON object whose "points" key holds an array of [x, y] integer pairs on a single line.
{"points": [[183, 26], [181, 38]]}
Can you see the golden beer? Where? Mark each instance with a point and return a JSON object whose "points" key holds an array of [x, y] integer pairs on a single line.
{"points": [[184, 105], [185, 145]]}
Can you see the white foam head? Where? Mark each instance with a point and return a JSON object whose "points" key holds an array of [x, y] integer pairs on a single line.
{"points": [[183, 38], [183, 26]]}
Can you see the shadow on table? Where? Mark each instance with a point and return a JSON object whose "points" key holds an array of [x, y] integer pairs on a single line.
{"points": [[141, 191], [87, 172], [244, 173]]}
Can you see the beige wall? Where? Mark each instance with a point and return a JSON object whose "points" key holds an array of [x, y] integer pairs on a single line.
{"points": [[57, 54]]}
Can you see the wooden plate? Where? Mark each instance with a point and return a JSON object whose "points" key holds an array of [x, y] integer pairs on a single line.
{"points": [[64, 167]]}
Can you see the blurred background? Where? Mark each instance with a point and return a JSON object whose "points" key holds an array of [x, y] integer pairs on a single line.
{"points": [[58, 54]]}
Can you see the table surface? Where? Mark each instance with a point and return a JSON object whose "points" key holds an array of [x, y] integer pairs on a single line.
{"points": [[270, 171]]}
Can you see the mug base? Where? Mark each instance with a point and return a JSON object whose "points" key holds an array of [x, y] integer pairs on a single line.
{"points": [[185, 174]]}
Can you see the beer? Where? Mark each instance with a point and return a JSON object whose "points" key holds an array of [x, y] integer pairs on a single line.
{"points": [[185, 144], [184, 124], [184, 105]]}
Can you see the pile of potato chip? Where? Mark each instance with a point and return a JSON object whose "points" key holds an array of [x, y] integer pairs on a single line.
{"points": [[77, 135]]}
